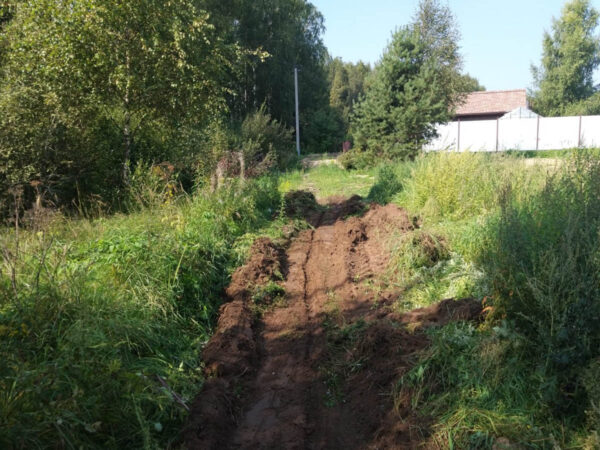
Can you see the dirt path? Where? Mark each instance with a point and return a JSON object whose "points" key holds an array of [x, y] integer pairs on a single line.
{"points": [[316, 372]]}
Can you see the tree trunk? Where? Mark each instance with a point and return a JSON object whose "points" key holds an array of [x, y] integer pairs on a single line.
{"points": [[127, 154], [127, 127]]}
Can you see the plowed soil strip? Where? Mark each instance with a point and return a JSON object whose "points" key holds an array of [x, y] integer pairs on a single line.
{"points": [[316, 372]]}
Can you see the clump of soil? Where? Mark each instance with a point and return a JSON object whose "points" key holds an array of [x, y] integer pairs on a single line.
{"points": [[318, 370], [390, 218], [266, 263], [300, 204]]}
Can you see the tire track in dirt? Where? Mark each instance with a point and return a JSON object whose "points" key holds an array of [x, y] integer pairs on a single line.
{"points": [[271, 385]]}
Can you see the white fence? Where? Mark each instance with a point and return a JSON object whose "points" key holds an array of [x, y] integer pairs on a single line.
{"points": [[552, 133]]}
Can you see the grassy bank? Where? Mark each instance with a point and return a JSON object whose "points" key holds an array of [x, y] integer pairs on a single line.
{"points": [[102, 321], [525, 239]]}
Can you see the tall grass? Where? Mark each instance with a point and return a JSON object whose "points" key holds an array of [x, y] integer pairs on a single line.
{"points": [[102, 325], [542, 258], [532, 235], [456, 186]]}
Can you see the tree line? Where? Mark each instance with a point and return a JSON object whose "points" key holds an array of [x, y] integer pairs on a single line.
{"points": [[90, 90]]}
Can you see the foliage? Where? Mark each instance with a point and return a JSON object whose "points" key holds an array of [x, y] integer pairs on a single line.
{"points": [[543, 260], [89, 87], [386, 185], [414, 87], [358, 159], [571, 53], [87, 91], [265, 142], [290, 32], [470, 84], [347, 85], [100, 339], [323, 131]]}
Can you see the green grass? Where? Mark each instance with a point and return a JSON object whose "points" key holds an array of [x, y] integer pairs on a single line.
{"points": [[102, 328], [328, 180], [101, 331]]}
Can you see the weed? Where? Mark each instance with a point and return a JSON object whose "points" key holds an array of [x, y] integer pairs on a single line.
{"points": [[343, 356]]}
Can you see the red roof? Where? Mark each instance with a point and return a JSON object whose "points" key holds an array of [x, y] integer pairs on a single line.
{"points": [[492, 102]]}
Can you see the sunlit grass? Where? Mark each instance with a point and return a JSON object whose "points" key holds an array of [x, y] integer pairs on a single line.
{"points": [[329, 180]]}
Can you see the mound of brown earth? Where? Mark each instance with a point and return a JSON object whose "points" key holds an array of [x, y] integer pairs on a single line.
{"points": [[318, 371], [300, 204]]}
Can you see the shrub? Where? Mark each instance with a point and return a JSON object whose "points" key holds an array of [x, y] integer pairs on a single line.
{"points": [[386, 186], [542, 257], [358, 159], [265, 142]]}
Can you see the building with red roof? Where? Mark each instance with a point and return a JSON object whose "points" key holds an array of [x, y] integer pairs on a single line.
{"points": [[491, 105]]}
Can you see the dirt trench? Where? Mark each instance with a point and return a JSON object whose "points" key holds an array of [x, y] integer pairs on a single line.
{"points": [[316, 371]]}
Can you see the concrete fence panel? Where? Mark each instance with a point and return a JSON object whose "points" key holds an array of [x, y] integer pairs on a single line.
{"points": [[478, 136], [559, 133], [447, 137], [590, 131], [517, 134], [552, 133]]}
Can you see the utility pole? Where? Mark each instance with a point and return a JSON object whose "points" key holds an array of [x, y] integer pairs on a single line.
{"points": [[297, 111]]}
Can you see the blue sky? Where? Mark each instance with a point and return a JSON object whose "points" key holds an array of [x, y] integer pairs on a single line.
{"points": [[500, 38]]}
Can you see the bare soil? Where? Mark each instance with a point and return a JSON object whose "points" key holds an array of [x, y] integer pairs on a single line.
{"points": [[318, 370]]}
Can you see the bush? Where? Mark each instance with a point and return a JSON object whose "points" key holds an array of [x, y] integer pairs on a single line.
{"points": [[542, 258], [386, 186], [265, 143], [358, 159]]}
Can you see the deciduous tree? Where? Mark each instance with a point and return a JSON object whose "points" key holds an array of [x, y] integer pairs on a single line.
{"points": [[87, 85], [571, 53]]}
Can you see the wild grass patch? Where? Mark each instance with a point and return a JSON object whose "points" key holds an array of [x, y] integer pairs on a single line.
{"points": [[102, 322]]}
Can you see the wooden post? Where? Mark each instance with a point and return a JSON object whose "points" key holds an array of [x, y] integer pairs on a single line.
{"points": [[537, 134], [497, 134], [579, 134], [240, 156], [458, 141]]}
